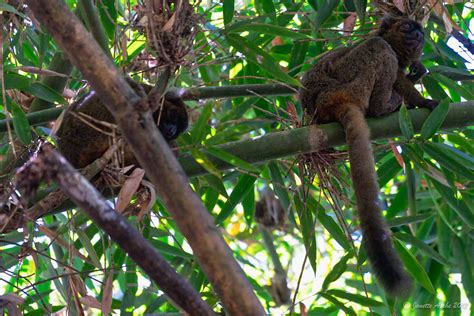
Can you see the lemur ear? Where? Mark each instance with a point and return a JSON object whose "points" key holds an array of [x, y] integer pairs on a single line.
{"points": [[385, 24]]}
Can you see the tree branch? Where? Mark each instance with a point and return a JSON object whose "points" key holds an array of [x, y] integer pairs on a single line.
{"points": [[49, 165], [153, 154], [313, 138]]}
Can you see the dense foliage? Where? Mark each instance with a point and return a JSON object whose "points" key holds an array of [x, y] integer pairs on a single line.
{"points": [[63, 260]]}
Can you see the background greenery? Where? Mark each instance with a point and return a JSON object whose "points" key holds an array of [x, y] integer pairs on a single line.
{"points": [[426, 179]]}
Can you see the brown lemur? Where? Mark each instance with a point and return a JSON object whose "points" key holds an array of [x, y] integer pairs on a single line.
{"points": [[368, 79], [81, 144]]}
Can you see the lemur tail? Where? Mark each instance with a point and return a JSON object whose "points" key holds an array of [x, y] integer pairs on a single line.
{"points": [[377, 240]]}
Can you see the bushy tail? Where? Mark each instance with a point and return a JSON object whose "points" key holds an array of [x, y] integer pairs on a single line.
{"points": [[377, 241]]}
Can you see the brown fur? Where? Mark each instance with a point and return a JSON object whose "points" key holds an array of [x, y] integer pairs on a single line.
{"points": [[368, 79], [82, 144]]}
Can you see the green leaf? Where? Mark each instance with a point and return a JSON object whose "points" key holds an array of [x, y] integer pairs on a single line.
{"points": [[453, 296], [361, 6], [216, 183], [231, 159], [434, 88], [452, 73], [270, 29], [458, 206], [16, 81], [347, 309], [434, 120], [279, 185], [445, 157], [228, 8], [326, 8], [200, 127], [86, 242], [357, 298], [44, 92], [334, 230], [170, 250], [204, 162], [20, 123], [241, 189], [414, 267], [405, 123], [411, 219], [9, 8], [261, 58], [337, 271], [420, 245]]}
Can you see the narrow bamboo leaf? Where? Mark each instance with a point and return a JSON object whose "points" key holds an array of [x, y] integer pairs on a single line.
{"points": [[458, 206], [216, 183], [461, 157], [201, 128], [337, 271], [453, 295], [463, 257], [16, 81], [297, 57], [270, 29], [269, 8], [434, 88], [307, 229], [434, 120], [388, 170], [334, 230], [241, 189], [411, 182], [204, 161], [231, 159], [43, 92], [399, 202], [405, 123], [448, 160], [279, 185], [420, 245], [453, 73], [414, 267], [324, 12], [248, 204], [361, 6], [228, 8], [9, 8], [453, 86], [259, 57], [170, 250], [86, 242], [348, 310], [357, 298], [412, 219], [20, 123]]}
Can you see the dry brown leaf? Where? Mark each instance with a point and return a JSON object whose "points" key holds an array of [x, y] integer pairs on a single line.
{"points": [[91, 302], [303, 310], [397, 154], [58, 240], [349, 23], [12, 298], [400, 5], [145, 209], [130, 186], [79, 284], [107, 293]]}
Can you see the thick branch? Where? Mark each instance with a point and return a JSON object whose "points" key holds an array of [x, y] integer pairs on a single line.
{"points": [[50, 165], [306, 139], [45, 116], [153, 154]]}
